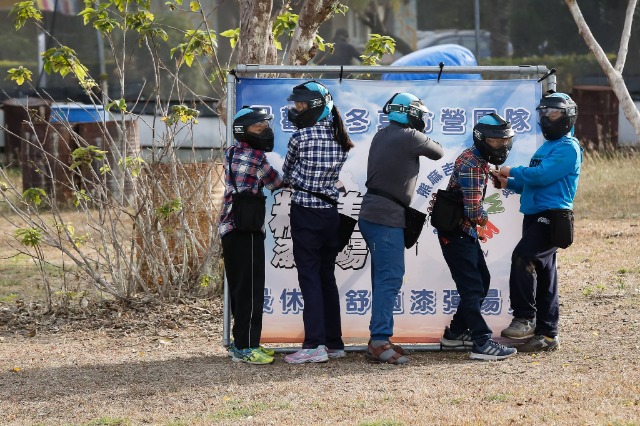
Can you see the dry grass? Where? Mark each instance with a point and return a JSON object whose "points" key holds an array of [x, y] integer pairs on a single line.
{"points": [[177, 373], [609, 186]]}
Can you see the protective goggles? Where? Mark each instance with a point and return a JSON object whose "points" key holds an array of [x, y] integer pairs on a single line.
{"points": [[498, 142], [552, 113]]}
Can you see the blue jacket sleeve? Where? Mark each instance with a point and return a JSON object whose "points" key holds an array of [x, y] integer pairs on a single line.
{"points": [[515, 186], [560, 162]]}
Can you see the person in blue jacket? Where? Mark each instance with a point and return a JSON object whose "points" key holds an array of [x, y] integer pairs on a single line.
{"points": [[548, 183]]}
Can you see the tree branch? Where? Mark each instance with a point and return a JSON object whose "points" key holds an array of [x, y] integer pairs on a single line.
{"points": [[626, 35], [615, 76]]}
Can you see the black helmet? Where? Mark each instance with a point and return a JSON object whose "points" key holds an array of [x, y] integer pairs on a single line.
{"points": [[493, 136], [557, 114], [405, 108], [245, 118], [319, 104]]}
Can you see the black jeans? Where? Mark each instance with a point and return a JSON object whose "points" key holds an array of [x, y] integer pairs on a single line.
{"points": [[533, 282], [315, 247], [469, 271], [244, 266]]}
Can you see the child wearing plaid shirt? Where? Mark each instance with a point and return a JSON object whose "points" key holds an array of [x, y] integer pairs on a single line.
{"points": [[492, 137], [247, 170], [316, 154]]}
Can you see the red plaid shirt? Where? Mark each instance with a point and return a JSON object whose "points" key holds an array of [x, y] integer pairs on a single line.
{"points": [[470, 176], [252, 172]]}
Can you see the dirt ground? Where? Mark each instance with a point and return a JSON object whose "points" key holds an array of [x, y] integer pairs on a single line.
{"points": [[166, 366]]}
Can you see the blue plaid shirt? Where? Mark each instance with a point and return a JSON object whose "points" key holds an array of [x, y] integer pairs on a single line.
{"points": [[313, 162]]}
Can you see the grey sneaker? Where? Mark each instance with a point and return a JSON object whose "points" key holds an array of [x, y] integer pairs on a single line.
{"points": [[336, 353], [450, 340], [520, 328], [491, 351], [540, 343]]}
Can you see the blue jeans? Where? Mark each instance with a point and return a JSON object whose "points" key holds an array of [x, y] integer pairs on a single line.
{"points": [[386, 245], [471, 275]]}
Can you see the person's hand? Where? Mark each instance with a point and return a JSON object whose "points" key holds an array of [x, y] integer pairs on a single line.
{"points": [[502, 181], [488, 230], [481, 234], [504, 171], [495, 179]]}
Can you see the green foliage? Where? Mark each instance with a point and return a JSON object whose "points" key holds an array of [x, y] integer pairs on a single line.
{"points": [[19, 75], [170, 207], [63, 60], [100, 18], [339, 8], [206, 280], [142, 22], [284, 24], [120, 103], [377, 46], [79, 196], [29, 237], [24, 11], [199, 43], [181, 113], [133, 164], [11, 297], [322, 46], [33, 195], [233, 35], [86, 155]]}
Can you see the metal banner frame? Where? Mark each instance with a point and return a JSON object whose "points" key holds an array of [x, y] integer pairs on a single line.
{"points": [[544, 75]]}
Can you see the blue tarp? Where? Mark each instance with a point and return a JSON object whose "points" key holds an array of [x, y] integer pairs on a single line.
{"points": [[450, 54]]}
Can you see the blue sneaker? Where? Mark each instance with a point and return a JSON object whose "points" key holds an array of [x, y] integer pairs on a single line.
{"points": [[491, 351], [251, 356], [268, 352]]}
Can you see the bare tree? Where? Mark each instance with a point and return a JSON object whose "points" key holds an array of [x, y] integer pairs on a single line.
{"points": [[613, 73]]}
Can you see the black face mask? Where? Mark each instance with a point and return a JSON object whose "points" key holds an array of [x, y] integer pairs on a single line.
{"points": [[499, 156], [262, 141], [552, 130], [306, 118]]}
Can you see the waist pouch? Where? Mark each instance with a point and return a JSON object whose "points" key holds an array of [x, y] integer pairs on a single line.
{"points": [[561, 227], [413, 219], [248, 210], [447, 211], [347, 223], [414, 222]]}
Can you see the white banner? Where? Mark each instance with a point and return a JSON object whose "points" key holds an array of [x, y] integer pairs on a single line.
{"points": [[428, 297]]}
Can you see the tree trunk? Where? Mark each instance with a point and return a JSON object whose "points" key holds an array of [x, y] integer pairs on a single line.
{"points": [[614, 74], [372, 19], [256, 33], [313, 14], [500, 27]]}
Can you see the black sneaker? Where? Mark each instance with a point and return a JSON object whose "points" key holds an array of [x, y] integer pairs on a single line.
{"points": [[520, 328], [491, 351], [450, 340], [540, 343]]}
